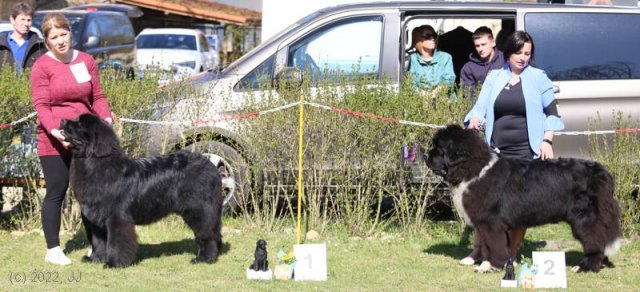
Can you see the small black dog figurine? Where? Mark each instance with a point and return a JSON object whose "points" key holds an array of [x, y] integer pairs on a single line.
{"points": [[510, 271], [260, 263]]}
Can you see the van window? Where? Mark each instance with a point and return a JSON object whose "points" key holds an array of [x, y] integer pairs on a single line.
{"points": [[123, 30], [116, 29], [259, 78], [166, 41], [350, 47], [455, 35], [93, 29], [76, 23], [588, 46]]}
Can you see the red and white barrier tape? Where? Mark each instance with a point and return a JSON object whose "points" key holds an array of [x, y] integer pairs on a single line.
{"points": [[343, 111], [245, 116], [202, 123], [371, 116], [602, 132], [7, 125]]}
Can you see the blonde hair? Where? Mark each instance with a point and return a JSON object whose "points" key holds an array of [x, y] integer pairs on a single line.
{"points": [[54, 19]]}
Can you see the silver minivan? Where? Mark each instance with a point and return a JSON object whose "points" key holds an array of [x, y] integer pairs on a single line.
{"points": [[589, 52]]}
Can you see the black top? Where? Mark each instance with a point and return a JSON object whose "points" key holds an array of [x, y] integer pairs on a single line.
{"points": [[510, 133]]}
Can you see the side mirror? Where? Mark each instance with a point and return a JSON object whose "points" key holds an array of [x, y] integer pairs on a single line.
{"points": [[92, 41], [288, 78]]}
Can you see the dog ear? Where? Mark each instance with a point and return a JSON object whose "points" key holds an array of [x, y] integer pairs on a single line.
{"points": [[457, 157], [103, 140], [100, 147]]}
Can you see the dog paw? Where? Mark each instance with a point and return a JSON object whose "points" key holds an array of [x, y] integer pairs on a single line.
{"points": [[198, 260], [468, 261], [576, 269], [486, 267], [86, 259], [92, 259], [115, 265]]}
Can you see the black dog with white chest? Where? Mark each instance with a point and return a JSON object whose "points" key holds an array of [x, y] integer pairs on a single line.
{"points": [[495, 194], [116, 193]]}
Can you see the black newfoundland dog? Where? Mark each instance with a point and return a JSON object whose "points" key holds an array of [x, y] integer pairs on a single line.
{"points": [[116, 192], [495, 195]]}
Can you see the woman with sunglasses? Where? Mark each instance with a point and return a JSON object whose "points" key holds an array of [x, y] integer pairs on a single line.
{"points": [[431, 70]]}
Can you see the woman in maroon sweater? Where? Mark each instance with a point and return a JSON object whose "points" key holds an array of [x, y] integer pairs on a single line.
{"points": [[64, 84]]}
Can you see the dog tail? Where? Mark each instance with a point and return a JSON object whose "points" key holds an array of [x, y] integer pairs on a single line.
{"points": [[613, 248], [608, 211]]}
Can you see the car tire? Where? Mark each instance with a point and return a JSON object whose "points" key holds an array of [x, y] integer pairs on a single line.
{"points": [[234, 171]]}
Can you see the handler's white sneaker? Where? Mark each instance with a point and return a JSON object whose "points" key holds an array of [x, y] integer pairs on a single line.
{"points": [[56, 256]]}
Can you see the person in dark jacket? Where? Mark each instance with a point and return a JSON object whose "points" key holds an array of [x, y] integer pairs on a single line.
{"points": [[21, 47], [485, 58]]}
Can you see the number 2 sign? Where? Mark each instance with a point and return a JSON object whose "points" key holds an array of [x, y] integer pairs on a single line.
{"points": [[551, 269], [311, 262]]}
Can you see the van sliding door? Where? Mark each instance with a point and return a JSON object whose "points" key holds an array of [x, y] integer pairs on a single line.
{"points": [[592, 58]]}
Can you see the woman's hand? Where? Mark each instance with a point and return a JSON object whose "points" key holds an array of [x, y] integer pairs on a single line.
{"points": [[474, 123], [58, 134], [546, 151]]}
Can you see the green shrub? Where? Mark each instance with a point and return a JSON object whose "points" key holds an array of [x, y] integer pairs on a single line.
{"points": [[352, 166], [351, 162], [620, 154], [20, 167]]}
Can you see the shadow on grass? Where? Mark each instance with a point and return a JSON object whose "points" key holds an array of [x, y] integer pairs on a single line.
{"points": [[147, 251], [462, 249], [77, 242]]}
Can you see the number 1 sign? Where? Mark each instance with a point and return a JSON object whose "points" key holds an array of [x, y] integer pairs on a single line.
{"points": [[552, 272], [311, 262]]}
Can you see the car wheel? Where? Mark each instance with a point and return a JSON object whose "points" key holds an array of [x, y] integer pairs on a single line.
{"points": [[233, 169]]}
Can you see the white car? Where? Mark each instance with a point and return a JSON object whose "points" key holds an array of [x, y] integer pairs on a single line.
{"points": [[6, 26], [177, 50]]}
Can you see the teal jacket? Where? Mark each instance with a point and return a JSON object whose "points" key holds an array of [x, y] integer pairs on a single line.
{"points": [[538, 94], [427, 75]]}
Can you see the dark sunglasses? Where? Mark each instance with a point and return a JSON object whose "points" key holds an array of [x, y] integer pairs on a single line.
{"points": [[429, 36]]}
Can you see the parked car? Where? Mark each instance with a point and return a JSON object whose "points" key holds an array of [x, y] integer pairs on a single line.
{"points": [[587, 51], [183, 50], [6, 26], [106, 35]]}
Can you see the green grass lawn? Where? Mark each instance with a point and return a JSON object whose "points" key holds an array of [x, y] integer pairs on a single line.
{"points": [[389, 261]]}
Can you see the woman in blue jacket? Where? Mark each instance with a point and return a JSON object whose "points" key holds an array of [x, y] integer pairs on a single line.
{"points": [[518, 105]]}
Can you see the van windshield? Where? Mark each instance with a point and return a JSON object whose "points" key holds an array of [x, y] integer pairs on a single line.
{"points": [[166, 41], [74, 21]]}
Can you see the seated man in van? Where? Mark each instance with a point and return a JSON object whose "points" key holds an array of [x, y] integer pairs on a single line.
{"points": [[485, 58]]}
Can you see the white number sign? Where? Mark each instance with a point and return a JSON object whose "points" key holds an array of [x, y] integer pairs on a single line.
{"points": [[311, 262], [551, 269]]}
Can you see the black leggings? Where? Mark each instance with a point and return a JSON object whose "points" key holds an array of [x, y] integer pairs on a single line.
{"points": [[56, 178]]}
